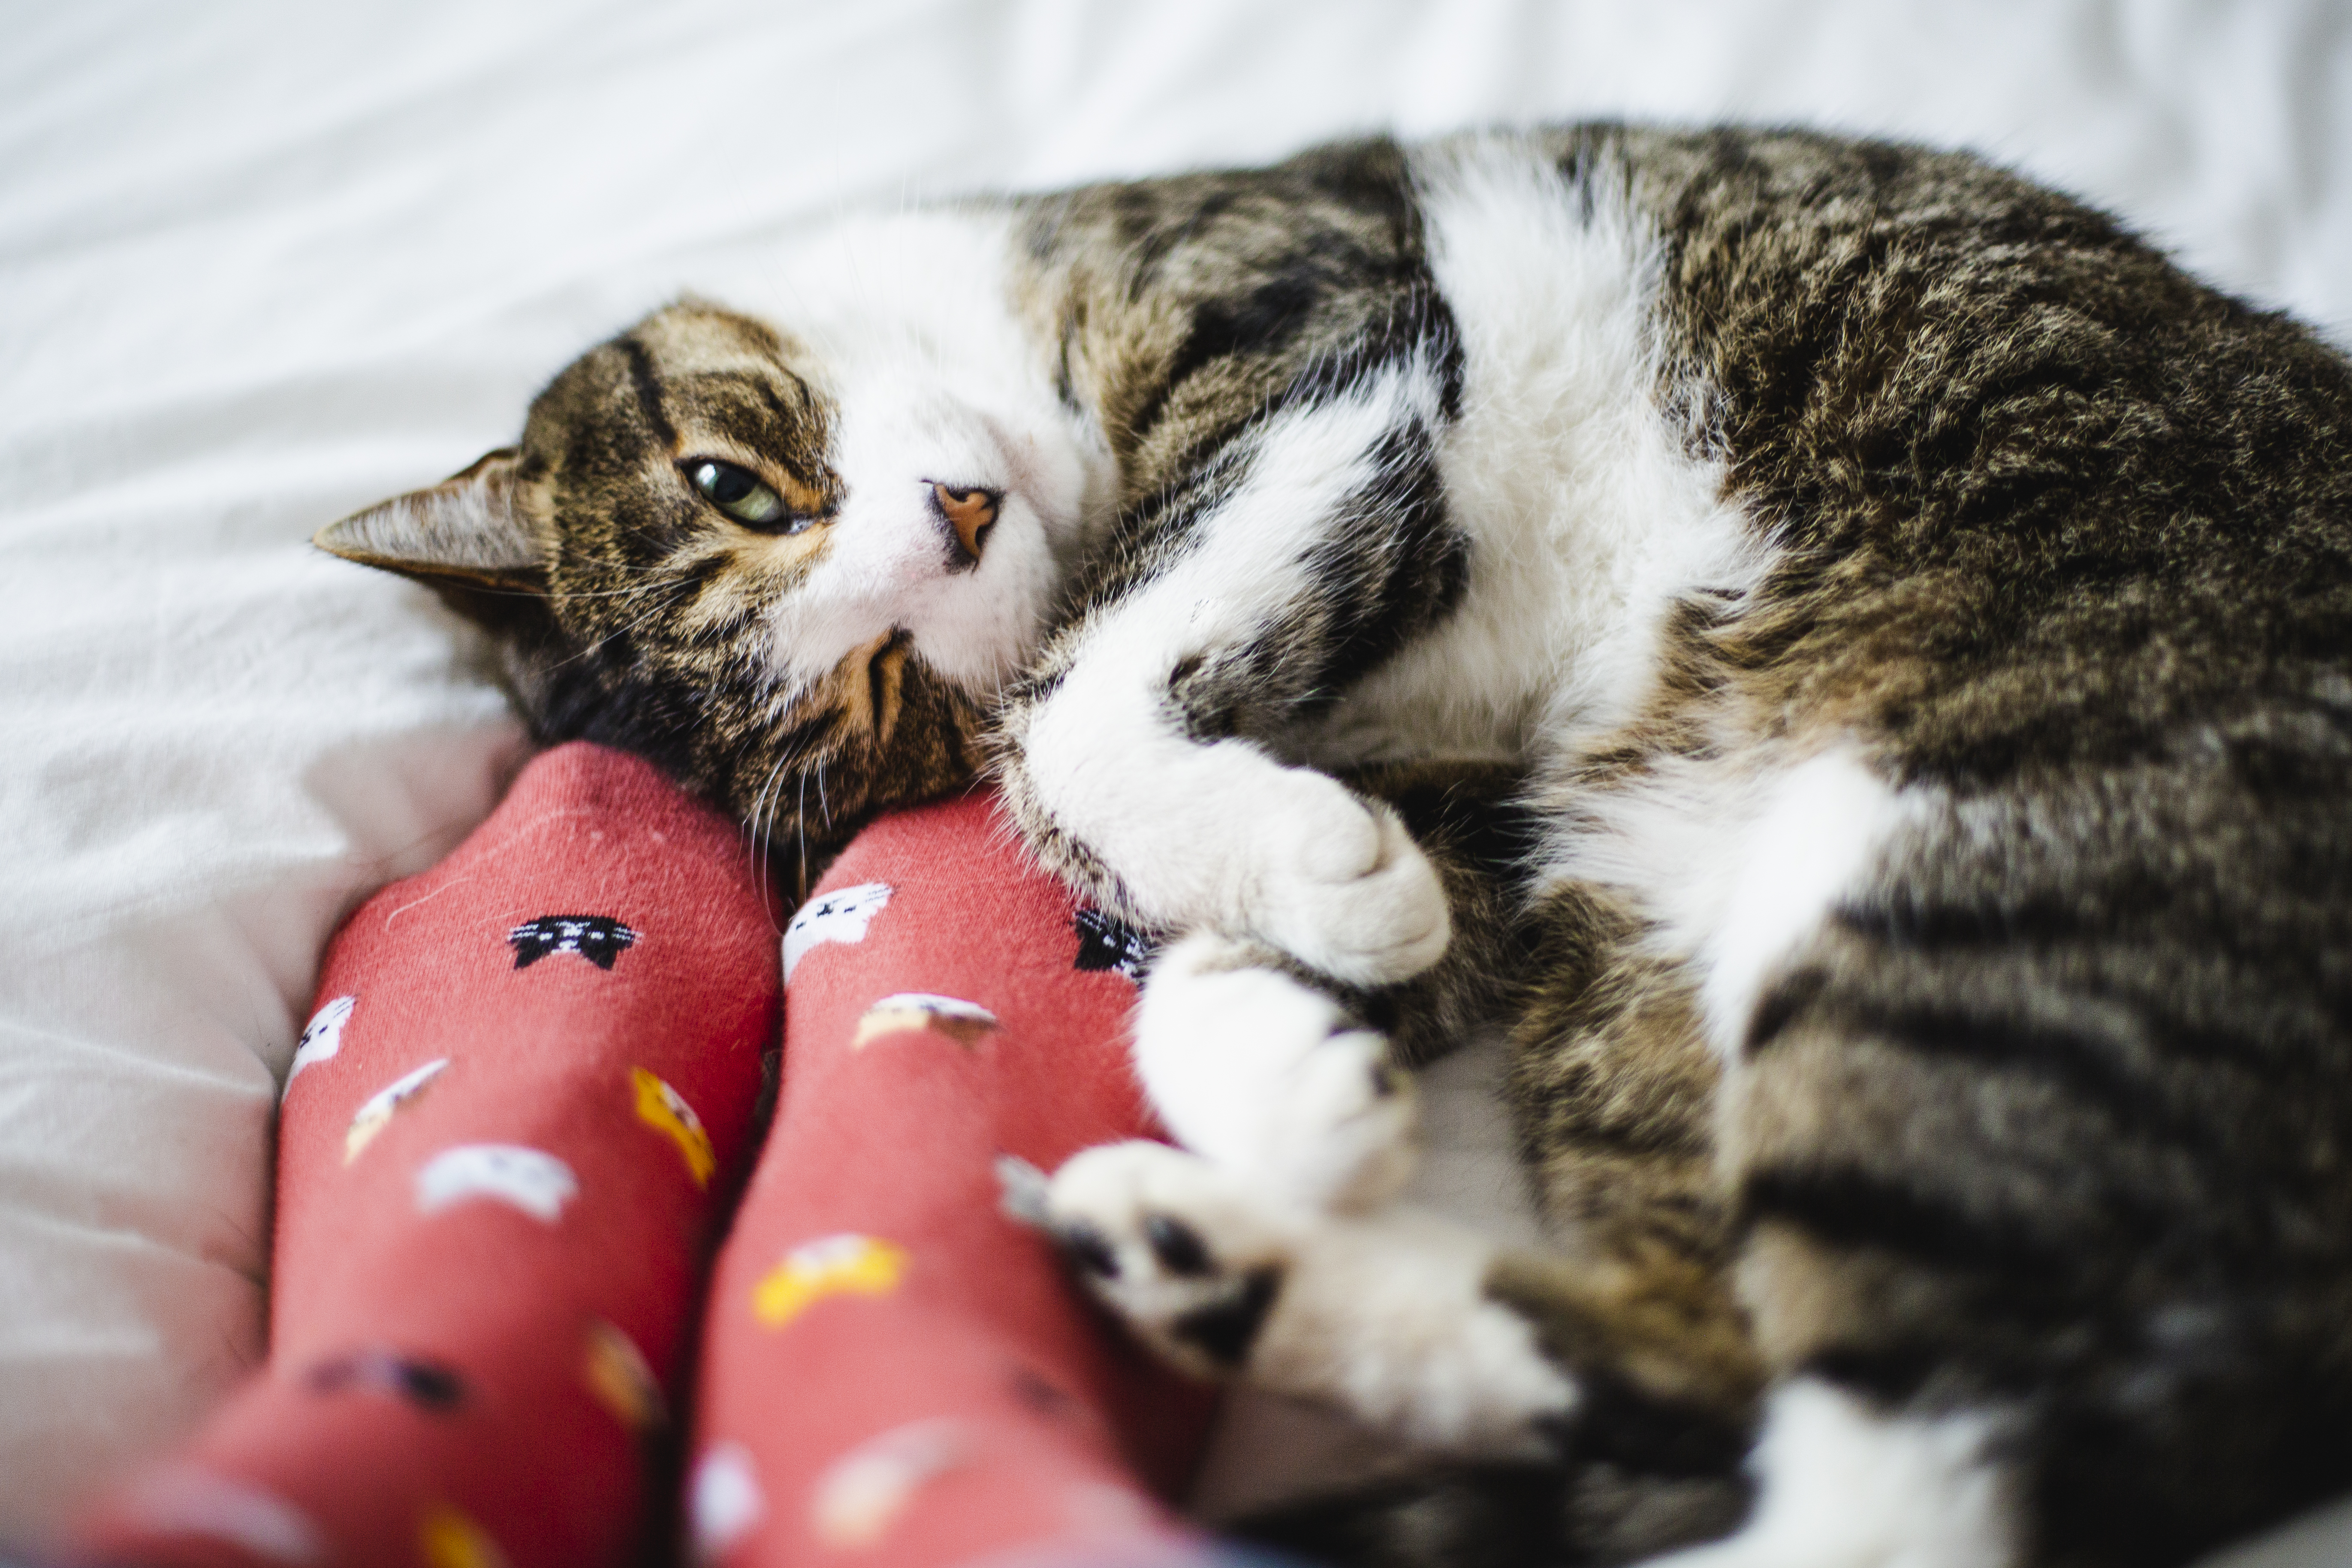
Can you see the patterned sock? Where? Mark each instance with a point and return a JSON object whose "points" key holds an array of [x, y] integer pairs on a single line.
{"points": [[894, 1373], [507, 1141], [505, 1146]]}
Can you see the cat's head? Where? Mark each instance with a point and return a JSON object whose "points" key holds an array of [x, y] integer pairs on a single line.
{"points": [[795, 580]]}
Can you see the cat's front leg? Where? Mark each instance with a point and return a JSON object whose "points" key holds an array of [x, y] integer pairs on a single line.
{"points": [[1179, 833], [1143, 758]]}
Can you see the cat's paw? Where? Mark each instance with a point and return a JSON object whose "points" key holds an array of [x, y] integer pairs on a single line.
{"points": [[1337, 882], [1262, 1073], [1178, 1246], [1385, 1316]]}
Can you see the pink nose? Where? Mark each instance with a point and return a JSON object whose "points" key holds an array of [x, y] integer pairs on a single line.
{"points": [[969, 513]]}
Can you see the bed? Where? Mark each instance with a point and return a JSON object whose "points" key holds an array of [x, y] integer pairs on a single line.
{"points": [[263, 262]]}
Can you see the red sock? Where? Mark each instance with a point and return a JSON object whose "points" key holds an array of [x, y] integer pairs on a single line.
{"points": [[895, 1373], [502, 1153], [503, 1148]]}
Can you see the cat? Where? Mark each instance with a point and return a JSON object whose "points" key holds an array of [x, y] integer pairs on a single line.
{"points": [[1849, 651]]}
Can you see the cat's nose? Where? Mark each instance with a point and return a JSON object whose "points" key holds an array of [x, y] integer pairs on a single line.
{"points": [[969, 514]]}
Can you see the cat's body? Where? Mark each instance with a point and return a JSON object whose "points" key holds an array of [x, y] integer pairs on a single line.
{"points": [[1923, 620]]}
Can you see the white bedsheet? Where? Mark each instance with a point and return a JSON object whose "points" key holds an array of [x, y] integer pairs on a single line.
{"points": [[262, 261]]}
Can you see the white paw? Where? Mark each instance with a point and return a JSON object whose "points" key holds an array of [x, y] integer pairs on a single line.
{"points": [[1223, 836], [1337, 884], [1176, 1245], [1385, 1316], [1271, 1078]]}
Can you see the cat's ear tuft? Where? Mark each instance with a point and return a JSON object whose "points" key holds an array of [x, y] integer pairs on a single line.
{"points": [[471, 531]]}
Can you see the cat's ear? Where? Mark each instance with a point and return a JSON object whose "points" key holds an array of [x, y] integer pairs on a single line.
{"points": [[469, 531]]}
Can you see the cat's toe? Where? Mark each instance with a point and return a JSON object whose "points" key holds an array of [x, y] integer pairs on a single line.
{"points": [[1345, 891], [1343, 1136], [1175, 1244], [1261, 1072]]}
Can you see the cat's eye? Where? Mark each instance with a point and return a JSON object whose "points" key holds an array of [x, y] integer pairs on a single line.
{"points": [[740, 493]]}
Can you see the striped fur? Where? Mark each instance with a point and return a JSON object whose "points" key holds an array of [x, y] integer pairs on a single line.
{"points": [[1849, 651]]}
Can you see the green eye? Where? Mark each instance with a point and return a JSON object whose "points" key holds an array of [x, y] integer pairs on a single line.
{"points": [[738, 493]]}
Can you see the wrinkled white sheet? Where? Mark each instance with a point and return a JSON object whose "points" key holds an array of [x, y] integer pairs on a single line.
{"points": [[262, 261]]}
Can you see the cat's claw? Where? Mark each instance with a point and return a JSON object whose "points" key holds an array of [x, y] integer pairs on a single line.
{"points": [[1263, 1074]]}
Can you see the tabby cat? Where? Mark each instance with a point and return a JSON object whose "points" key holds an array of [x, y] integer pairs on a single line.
{"points": [[1911, 623]]}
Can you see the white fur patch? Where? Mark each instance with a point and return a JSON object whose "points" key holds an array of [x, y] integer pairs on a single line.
{"points": [[1843, 1488], [1738, 866], [1820, 826], [935, 380], [1587, 513], [1383, 1315], [1734, 864], [1387, 1316]]}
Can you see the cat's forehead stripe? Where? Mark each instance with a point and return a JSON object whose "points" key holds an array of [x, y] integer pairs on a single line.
{"points": [[646, 382]]}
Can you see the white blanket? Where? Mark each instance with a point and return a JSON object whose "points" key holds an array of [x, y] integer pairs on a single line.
{"points": [[262, 261]]}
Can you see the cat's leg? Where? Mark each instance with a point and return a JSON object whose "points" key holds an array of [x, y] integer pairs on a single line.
{"points": [[1143, 759], [1631, 1367], [1260, 1063], [1630, 1346], [2024, 1125], [1642, 1121], [1593, 1405]]}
